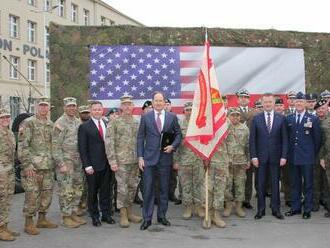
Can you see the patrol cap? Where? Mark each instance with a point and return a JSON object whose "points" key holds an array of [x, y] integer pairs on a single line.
{"points": [[125, 99], [320, 103], [300, 96], [243, 92], [70, 101], [167, 101], [311, 97], [43, 100], [233, 111], [4, 113], [188, 105], [83, 109], [279, 101], [292, 95], [325, 94], [146, 104]]}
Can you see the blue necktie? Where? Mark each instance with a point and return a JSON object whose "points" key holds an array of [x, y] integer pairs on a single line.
{"points": [[298, 120]]}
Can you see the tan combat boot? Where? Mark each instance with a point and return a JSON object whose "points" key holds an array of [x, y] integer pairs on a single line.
{"points": [[216, 219], [239, 210], [201, 212], [13, 233], [187, 212], [228, 209], [123, 222], [132, 217], [78, 219], [44, 223], [30, 228], [4, 235], [69, 223], [80, 212]]}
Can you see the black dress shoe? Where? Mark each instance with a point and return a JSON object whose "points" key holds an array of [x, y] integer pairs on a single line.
{"points": [[96, 221], [108, 219], [145, 225], [306, 215], [278, 215], [292, 212], [163, 221], [288, 203], [247, 205], [173, 198], [259, 215]]}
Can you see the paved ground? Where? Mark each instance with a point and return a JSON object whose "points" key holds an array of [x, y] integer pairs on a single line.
{"points": [[268, 232]]}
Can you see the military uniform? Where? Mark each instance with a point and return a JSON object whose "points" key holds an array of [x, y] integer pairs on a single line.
{"points": [[65, 153]]}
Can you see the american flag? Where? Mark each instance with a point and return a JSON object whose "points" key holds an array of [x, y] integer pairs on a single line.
{"points": [[137, 70]]}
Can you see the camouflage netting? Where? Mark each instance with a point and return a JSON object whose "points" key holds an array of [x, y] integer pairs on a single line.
{"points": [[70, 52]]}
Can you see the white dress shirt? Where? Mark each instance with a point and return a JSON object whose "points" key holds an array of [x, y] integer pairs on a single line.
{"points": [[271, 118], [96, 122], [161, 116]]}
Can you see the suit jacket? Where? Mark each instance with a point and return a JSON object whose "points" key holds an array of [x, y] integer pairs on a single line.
{"points": [[268, 147], [91, 146], [304, 142], [148, 138]]}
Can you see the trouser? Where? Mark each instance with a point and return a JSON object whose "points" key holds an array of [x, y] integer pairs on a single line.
{"points": [[285, 182], [7, 188], [248, 184], [319, 176], [173, 182], [235, 189]]}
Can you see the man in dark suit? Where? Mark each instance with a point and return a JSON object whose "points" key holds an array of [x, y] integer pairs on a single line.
{"points": [[154, 159], [268, 149], [304, 143], [94, 161]]}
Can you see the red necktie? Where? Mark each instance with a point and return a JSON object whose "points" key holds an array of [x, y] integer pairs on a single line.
{"points": [[100, 130], [159, 122]]}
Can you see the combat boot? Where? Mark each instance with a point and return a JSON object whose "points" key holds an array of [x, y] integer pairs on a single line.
{"points": [[4, 235], [228, 209], [80, 212], [78, 219], [13, 233], [239, 210], [44, 223], [132, 217], [123, 222], [187, 212], [30, 228], [70, 223], [216, 219], [201, 212]]}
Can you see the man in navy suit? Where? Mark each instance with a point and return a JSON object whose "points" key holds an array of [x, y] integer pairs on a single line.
{"points": [[268, 149], [304, 143], [153, 159]]}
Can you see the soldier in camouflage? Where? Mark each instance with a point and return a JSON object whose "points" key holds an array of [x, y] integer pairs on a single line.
{"points": [[7, 176], [120, 144], [190, 168], [35, 154], [238, 151], [68, 167]]}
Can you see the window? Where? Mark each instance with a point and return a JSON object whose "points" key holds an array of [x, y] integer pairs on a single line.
{"points": [[47, 5], [112, 22], [13, 74], [61, 8], [47, 36], [103, 20], [86, 17], [15, 106], [13, 26], [32, 2], [32, 70], [47, 73], [74, 13], [32, 31]]}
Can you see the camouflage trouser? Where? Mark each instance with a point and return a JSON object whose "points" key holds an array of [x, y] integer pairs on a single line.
{"points": [[191, 180], [127, 177], [327, 185], [38, 191], [318, 183], [7, 188], [83, 199], [236, 183], [70, 187], [217, 178], [173, 182]]}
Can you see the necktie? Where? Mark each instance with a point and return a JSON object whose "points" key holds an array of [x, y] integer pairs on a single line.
{"points": [[298, 120], [159, 122], [269, 124], [100, 130]]}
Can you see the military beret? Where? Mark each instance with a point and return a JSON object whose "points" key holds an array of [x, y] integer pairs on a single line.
{"points": [[83, 109], [167, 101], [325, 94], [188, 105], [320, 103], [4, 113], [125, 99], [311, 97], [233, 111], [70, 101], [243, 92], [43, 100], [146, 104], [224, 97], [300, 96], [113, 110], [257, 103], [279, 101], [292, 95]]}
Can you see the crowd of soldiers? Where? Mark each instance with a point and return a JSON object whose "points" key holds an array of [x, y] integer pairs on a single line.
{"points": [[49, 150]]}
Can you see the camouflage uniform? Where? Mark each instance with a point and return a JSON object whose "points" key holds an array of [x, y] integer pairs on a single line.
{"points": [[65, 152], [35, 152]]}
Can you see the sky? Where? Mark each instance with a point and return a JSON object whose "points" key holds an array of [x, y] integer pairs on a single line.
{"points": [[293, 15]]}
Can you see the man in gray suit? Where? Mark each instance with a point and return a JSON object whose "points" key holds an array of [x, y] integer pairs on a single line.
{"points": [[155, 157]]}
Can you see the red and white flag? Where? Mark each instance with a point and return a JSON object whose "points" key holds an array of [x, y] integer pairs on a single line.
{"points": [[207, 126]]}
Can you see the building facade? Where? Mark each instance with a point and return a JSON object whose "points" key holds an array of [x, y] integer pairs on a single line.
{"points": [[24, 39]]}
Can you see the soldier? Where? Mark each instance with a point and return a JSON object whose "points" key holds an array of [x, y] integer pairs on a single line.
{"points": [[246, 117], [7, 176], [326, 95], [68, 167], [190, 168], [310, 103], [35, 154], [238, 151], [121, 152], [258, 108], [291, 97], [279, 106], [84, 113]]}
